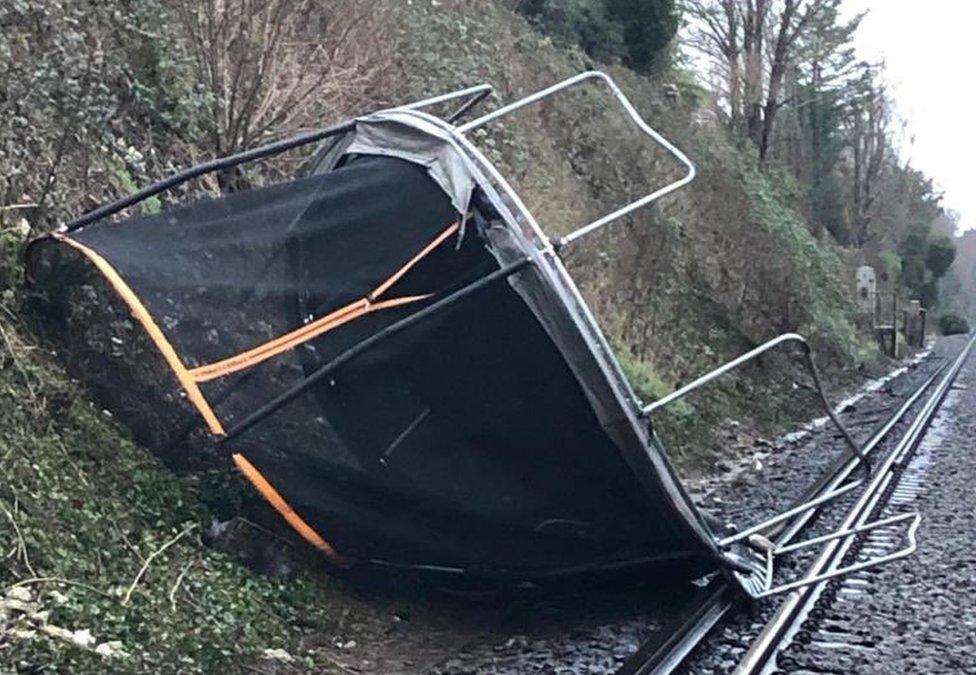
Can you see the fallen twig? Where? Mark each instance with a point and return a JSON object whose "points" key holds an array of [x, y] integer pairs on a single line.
{"points": [[179, 580], [55, 580], [154, 554], [21, 544], [261, 528], [336, 662]]}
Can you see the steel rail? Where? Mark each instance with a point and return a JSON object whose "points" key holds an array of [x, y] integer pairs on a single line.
{"points": [[835, 476], [842, 471], [661, 658], [794, 610]]}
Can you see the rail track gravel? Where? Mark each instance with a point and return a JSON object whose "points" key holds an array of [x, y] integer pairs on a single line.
{"points": [[917, 615]]}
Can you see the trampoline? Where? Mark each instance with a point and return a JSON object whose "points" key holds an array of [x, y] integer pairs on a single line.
{"points": [[391, 351]]}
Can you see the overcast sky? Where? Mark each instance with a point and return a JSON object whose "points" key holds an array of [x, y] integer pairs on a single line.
{"points": [[928, 48]]}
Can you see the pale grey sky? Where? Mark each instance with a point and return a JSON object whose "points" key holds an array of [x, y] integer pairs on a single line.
{"points": [[928, 48]]}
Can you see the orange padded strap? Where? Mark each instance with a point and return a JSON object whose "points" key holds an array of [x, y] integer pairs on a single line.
{"points": [[142, 314], [282, 507], [296, 337], [343, 315], [385, 286]]}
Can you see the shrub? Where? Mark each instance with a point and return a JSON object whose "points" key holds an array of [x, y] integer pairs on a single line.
{"points": [[648, 28], [13, 238], [578, 22], [953, 324], [637, 32]]}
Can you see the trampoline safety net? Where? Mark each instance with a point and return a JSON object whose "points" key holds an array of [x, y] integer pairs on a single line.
{"points": [[424, 411]]}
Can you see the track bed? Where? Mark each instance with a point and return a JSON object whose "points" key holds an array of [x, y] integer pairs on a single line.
{"points": [[601, 630]]}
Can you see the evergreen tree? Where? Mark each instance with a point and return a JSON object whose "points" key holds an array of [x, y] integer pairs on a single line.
{"points": [[637, 32], [648, 28]]}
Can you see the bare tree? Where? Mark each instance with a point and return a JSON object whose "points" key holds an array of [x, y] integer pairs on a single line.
{"points": [[272, 66], [717, 34], [755, 43], [755, 13], [868, 127]]}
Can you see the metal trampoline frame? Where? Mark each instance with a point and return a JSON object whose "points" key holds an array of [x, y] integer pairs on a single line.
{"points": [[546, 258]]}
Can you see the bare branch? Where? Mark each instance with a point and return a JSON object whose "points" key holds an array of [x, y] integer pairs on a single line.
{"points": [[151, 557]]}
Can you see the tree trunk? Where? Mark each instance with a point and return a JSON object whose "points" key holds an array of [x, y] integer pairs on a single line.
{"points": [[784, 39], [752, 43], [856, 196], [735, 86]]}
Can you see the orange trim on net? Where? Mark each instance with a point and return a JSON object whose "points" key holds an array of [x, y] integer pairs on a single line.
{"points": [[142, 314], [279, 504], [382, 288], [343, 315]]}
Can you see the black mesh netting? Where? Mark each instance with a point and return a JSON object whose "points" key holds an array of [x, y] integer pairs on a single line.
{"points": [[464, 440]]}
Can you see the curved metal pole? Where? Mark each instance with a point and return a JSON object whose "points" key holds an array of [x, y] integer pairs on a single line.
{"points": [[748, 356], [832, 490], [907, 550], [201, 169], [631, 112], [476, 94], [789, 513], [480, 93]]}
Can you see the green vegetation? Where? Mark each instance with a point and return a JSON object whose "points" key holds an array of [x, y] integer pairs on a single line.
{"points": [[925, 259], [814, 269], [953, 324], [151, 205], [637, 32], [680, 424], [959, 285], [577, 22]]}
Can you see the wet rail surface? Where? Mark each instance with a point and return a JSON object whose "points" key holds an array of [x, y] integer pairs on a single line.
{"points": [[919, 614], [602, 630]]}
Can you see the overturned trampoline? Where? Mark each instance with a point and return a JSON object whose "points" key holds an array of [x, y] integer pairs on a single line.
{"points": [[392, 353]]}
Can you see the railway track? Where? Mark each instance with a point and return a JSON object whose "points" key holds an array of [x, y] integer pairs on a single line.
{"points": [[889, 482]]}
